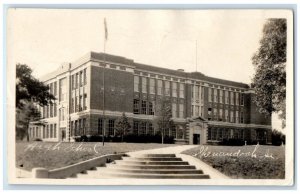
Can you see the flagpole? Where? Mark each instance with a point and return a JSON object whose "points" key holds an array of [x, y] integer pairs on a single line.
{"points": [[103, 80]]}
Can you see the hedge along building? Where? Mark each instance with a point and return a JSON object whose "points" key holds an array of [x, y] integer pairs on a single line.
{"points": [[204, 109]]}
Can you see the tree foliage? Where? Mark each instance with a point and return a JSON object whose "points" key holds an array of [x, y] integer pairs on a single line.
{"points": [[123, 126], [28, 88], [269, 81], [163, 120], [29, 91]]}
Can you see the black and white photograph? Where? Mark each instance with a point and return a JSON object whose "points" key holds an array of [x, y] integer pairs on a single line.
{"points": [[150, 97]]}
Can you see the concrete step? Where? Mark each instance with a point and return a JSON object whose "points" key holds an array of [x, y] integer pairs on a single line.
{"points": [[155, 171], [157, 176], [151, 162], [158, 155], [127, 166], [152, 159]]}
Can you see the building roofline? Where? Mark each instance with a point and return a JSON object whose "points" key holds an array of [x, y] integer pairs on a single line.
{"points": [[139, 66]]}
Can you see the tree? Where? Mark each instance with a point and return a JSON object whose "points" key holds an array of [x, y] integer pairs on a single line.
{"points": [[269, 81], [29, 91], [123, 126], [163, 119]]}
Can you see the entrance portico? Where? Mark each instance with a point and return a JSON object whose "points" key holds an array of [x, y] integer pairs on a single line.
{"points": [[197, 131]]}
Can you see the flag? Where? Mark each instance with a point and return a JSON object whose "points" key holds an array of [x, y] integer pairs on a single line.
{"points": [[105, 29]]}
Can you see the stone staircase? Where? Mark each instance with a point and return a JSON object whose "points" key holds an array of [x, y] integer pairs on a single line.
{"points": [[147, 166]]}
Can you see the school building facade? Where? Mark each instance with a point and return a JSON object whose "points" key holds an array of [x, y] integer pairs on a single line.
{"points": [[204, 109]]}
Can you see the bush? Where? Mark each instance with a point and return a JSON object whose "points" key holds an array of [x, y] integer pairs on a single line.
{"points": [[37, 139], [130, 138]]}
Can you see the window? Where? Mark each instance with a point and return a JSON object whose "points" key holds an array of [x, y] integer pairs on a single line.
{"points": [[44, 132], [202, 94], [76, 104], [174, 110], [84, 101], [209, 113], [135, 127], [72, 105], [242, 99], [51, 110], [220, 96], [151, 110], [196, 110], [55, 89], [111, 126], [73, 82], [180, 110], [84, 77], [143, 128], [237, 100], [144, 85], [215, 113], [237, 116], [209, 94], [196, 92], [152, 86], [54, 131], [181, 90], [231, 98], [51, 131], [173, 131], [150, 129], [100, 127], [62, 89], [54, 110], [192, 110], [192, 94], [144, 107], [76, 81], [167, 88], [215, 95], [226, 115], [80, 78], [242, 117], [136, 83], [159, 87], [72, 128], [136, 106], [80, 102], [231, 117], [220, 114], [84, 125], [174, 89], [47, 131], [226, 97]]}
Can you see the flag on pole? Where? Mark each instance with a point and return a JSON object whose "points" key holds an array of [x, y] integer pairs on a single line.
{"points": [[105, 28]]}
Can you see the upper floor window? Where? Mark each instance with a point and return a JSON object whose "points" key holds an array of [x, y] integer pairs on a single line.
{"points": [[226, 97], [242, 99], [220, 114], [231, 117], [174, 89], [144, 84], [55, 89], [215, 95], [209, 94], [174, 110], [220, 96], [242, 117], [196, 110], [237, 116], [144, 107], [62, 89], [84, 77], [80, 78], [196, 92], [167, 88], [76, 81], [181, 90], [152, 86], [237, 99], [226, 115], [180, 110], [136, 107], [151, 108], [159, 87], [231, 98], [136, 83]]}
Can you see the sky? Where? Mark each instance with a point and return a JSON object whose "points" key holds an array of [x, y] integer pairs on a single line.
{"points": [[218, 43]]}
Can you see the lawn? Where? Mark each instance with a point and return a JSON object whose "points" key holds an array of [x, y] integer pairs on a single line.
{"points": [[244, 162], [54, 155]]}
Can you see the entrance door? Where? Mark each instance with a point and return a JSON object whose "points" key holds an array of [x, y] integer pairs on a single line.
{"points": [[63, 134], [196, 139]]}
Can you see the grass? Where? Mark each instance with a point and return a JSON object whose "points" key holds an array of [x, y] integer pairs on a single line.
{"points": [[239, 162], [55, 155]]}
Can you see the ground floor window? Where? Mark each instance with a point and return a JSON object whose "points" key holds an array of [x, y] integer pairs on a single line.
{"points": [[100, 126], [150, 129], [111, 127], [142, 130]]}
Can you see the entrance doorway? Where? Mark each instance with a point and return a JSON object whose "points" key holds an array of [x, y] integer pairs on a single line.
{"points": [[63, 134], [196, 139]]}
